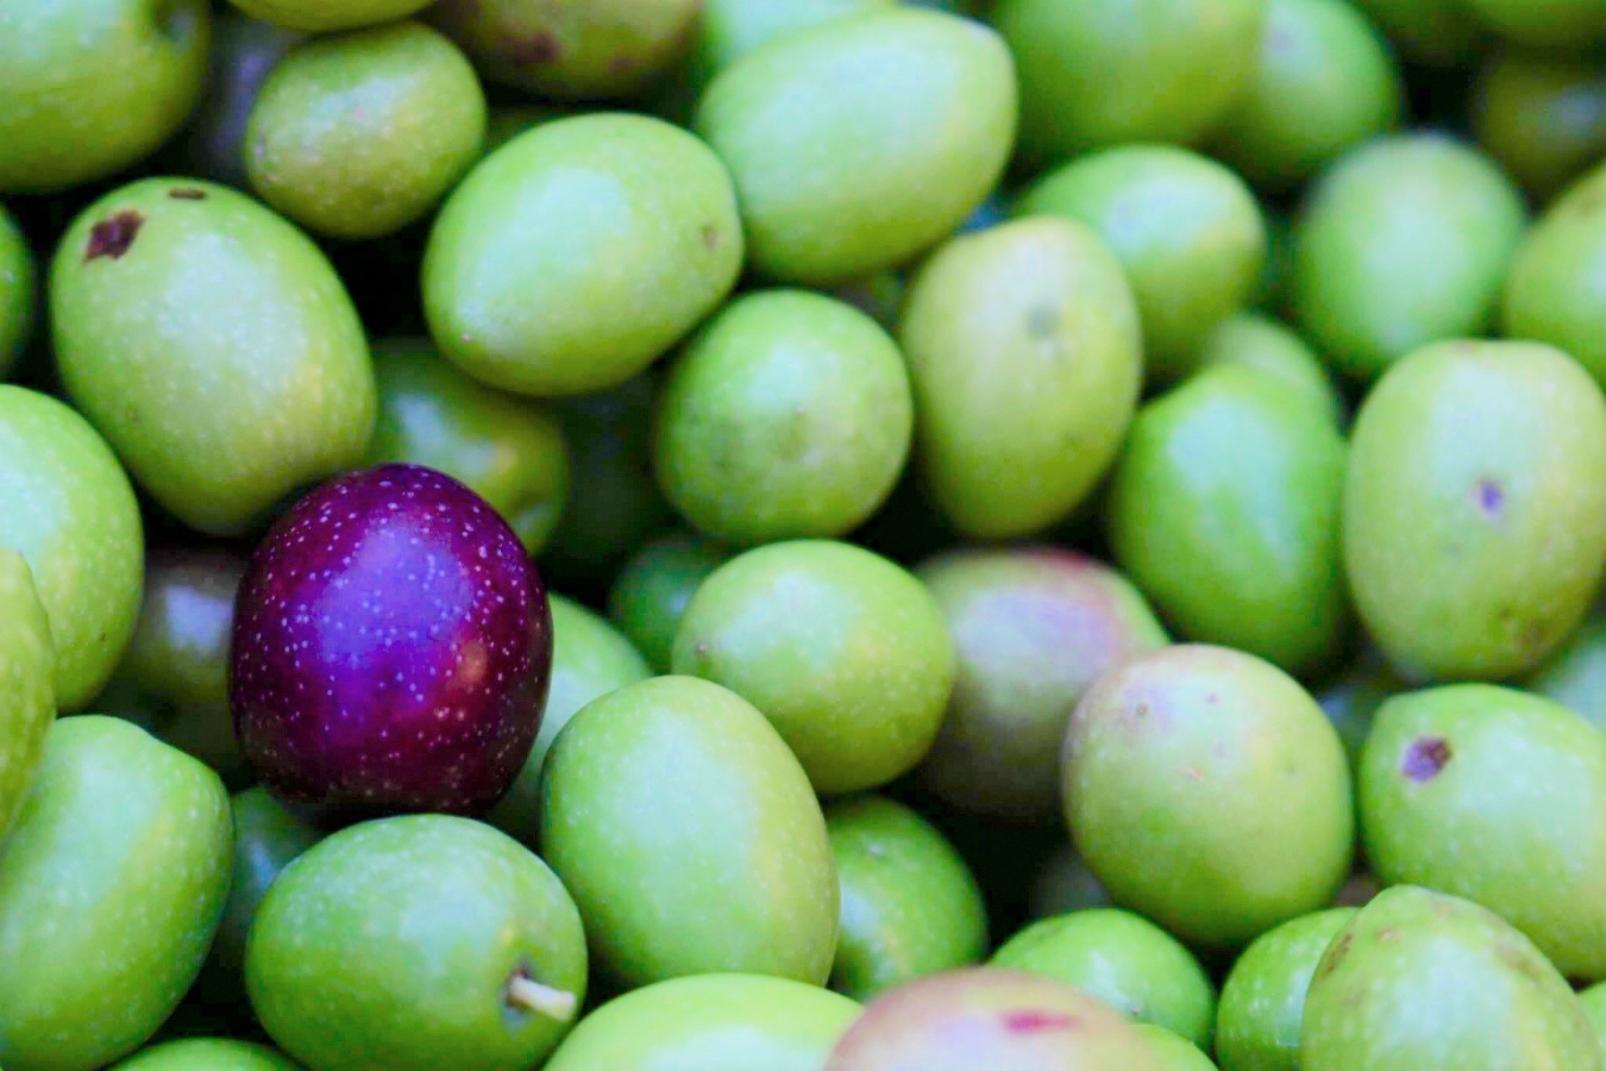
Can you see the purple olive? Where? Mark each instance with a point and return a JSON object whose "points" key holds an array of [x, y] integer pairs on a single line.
{"points": [[392, 646]]}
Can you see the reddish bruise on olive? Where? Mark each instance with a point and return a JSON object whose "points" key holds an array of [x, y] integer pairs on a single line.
{"points": [[112, 236], [392, 648], [1425, 758]]}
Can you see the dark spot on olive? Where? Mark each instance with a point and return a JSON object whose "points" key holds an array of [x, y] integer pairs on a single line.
{"points": [[186, 193], [1034, 1022], [710, 234], [1425, 757], [621, 63], [1335, 955], [1490, 497], [112, 236], [1535, 637], [542, 46]]}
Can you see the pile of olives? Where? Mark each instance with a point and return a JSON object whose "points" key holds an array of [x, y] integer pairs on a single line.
{"points": [[802, 535]]}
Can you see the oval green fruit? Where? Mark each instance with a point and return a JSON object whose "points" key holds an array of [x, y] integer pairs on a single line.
{"points": [[174, 677], [1187, 231], [1108, 72], [27, 694], [1324, 81], [1206, 790], [596, 50], [88, 87], [508, 450], [1032, 628], [328, 16], [207, 1054], [577, 253], [788, 416], [1273, 348], [652, 591], [689, 837], [416, 943], [1542, 116], [1475, 507], [988, 1017], [214, 347], [1224, 508], [845, 653], [358, 135], [710, 1022], [66, 504], [828, 131], [1420, 981], [16, 292], [1575, 676], [1404, 241], [1025, 355], [111, 886], [1263, 999], [267, 838], [1126, 961], [910, 906], [1499, 797], [1553, 291], [590, 658]]}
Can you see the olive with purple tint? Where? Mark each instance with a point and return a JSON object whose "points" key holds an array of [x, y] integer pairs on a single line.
{"points": [[392, 647]]}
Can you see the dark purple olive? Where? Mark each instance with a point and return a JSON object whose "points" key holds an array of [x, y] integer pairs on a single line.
{"points": [[392, 646]]}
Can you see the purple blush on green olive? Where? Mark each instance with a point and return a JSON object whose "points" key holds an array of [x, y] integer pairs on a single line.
{"points": [[392, 646]]}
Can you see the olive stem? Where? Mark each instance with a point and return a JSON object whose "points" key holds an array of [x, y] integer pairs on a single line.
{"points": [[531, 995]]}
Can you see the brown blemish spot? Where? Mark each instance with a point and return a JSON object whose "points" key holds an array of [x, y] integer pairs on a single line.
{"points": [[1517, 960], [112, 236], [1425, 757], [1388, 935], [542, 46], [710, 235], [1489, 496], [621, 63], [1035, 1022], [1335, 955], [186, 193]]}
